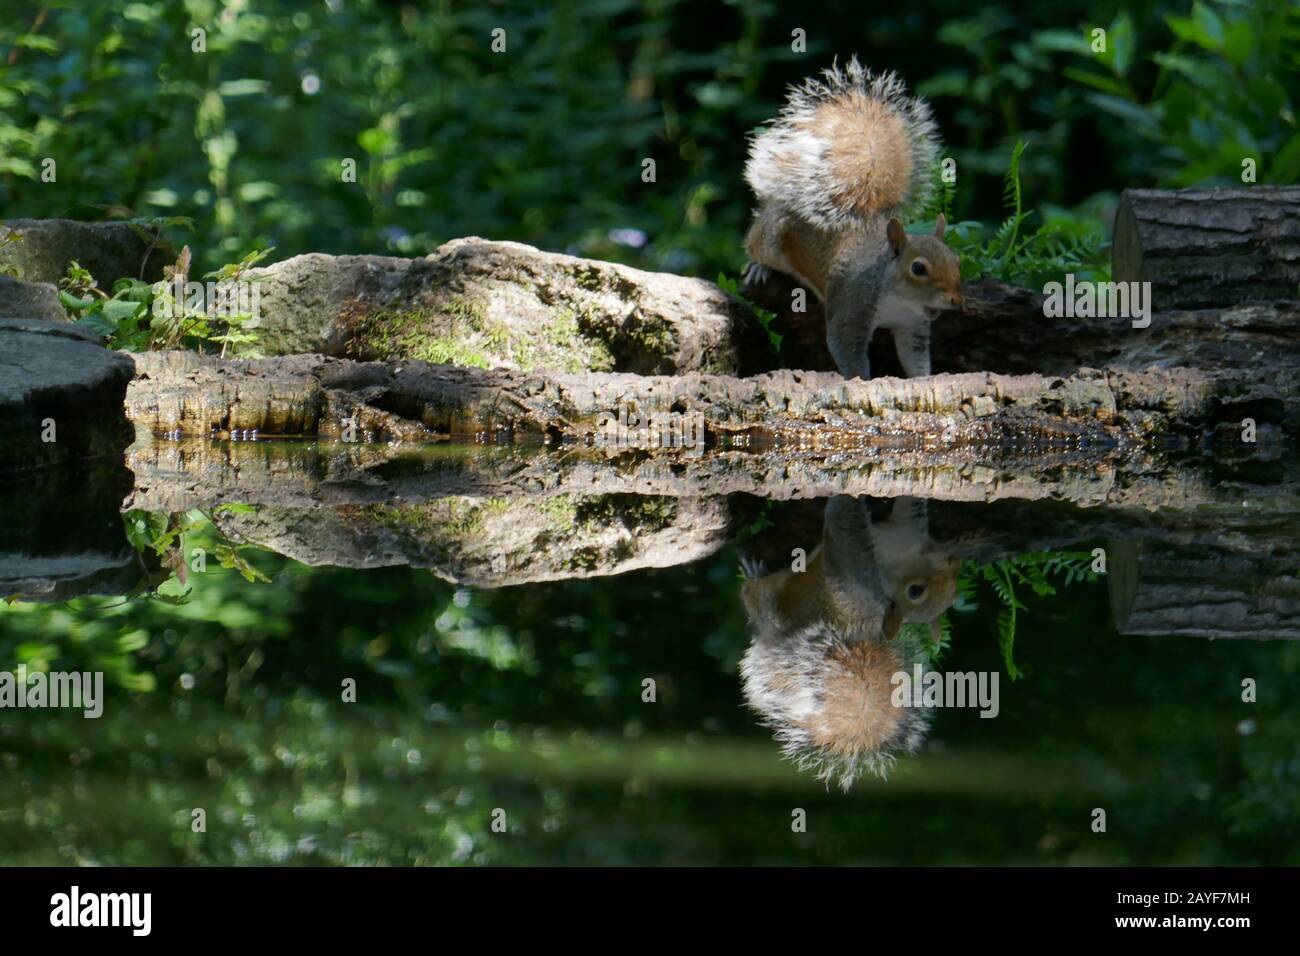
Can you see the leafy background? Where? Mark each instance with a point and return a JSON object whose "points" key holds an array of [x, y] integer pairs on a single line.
{"points": [[544, 143]]}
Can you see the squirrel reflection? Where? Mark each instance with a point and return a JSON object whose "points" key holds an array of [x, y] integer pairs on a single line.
{"points": [[827, 639]]}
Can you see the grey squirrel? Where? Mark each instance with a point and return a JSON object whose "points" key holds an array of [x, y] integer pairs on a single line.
{"points": [[828, 639], [831, 174]]}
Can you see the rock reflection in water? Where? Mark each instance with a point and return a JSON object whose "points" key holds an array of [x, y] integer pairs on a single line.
{"points": [[843, 593]]}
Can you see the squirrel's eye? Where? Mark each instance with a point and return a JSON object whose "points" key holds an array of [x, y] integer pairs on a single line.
{"points": [[919, 269], [915, 592]]}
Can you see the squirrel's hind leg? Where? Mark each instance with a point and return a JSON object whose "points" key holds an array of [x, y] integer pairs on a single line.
{"points": [[756, 274], [763, 244]]}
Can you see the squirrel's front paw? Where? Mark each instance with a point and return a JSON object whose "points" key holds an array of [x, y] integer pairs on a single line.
{"points": [[752, 567]]}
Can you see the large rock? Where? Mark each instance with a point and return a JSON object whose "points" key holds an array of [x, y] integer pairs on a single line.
{"points": [[110, 250], [491, 542], [30, 300], [61, 396], [474, 302]]}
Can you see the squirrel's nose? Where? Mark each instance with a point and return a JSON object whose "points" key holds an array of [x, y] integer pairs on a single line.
{"points": [[956, 299]]}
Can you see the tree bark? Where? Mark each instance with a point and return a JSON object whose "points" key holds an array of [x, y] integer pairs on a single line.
{"points": [[1215, 595], [203, 396], [1218, 566], [1002, 328], [1210, 248]]}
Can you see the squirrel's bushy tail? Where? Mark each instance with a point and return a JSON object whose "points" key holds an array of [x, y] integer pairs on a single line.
{"points": [[848, 146], [828, 697]]}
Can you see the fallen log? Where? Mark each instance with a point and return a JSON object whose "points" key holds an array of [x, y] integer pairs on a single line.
{"points": [[1220, 569], [1210, 248], [1002, 328], [1184, 592], [203, 396], [1225, 271]]}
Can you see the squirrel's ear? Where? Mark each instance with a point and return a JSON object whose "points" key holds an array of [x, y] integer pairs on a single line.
{"points": [[940, 225], [897, 236]]}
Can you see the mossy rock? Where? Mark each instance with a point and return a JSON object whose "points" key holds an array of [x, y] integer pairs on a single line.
{"points": [[492, 541], [487, 304]]}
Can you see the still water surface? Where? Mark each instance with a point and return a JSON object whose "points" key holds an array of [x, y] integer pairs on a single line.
{"points": [[485, 655]]}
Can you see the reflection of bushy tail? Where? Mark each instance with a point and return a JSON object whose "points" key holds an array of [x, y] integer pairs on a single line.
{"points": [[845, 147], [828, 701]]}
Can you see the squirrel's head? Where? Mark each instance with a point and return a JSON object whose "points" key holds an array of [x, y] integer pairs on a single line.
{"points": [[924, 587], [828, 696], [926, 271]]}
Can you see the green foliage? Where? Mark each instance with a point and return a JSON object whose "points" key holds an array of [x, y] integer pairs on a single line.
{"points": [[920, 633], [138, 316], [545, 144], [1223, 92], [1031, 570], [121, 318], [167, 537], [1059, 245], [112, 634], [760, 523], [1179, 95]]}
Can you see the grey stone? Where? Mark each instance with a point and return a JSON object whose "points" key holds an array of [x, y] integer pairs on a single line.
{"points": [[62, 535], [59, 372], [490, 542], [30, 300], [475, 302], [109, 250]]}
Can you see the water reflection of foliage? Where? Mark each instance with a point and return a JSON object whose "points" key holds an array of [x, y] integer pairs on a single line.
{"points": [[1032, 570], [529, 699]]}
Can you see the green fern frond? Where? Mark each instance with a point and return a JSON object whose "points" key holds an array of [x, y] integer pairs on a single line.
{"points": [[1034, 570]]}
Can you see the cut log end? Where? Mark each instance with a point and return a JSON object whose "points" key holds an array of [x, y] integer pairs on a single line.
{"points": [[1209, 248]]}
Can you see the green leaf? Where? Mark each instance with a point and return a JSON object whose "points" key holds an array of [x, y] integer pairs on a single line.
{"points": [[19, 167], [947, 83], [1122, 39], [73, 303], [97, 323], [1066, 41], [1133, 113], [1209, 31], [243, 88], [1182, 27], [1096, 80], [1239, 42], [35, 41], [116, 310]]}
